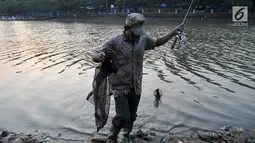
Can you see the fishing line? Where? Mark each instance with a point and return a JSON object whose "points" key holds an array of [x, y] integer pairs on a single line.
{"points": [[190, 19], [193, 8]]}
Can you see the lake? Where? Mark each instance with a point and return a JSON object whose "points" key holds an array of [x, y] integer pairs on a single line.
{"points": [[47, 72]]}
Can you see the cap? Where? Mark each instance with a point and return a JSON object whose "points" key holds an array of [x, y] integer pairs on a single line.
{"points": [[135, 20]]}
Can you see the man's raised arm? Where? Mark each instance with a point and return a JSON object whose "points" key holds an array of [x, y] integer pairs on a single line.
{"points": [[162, 40]]}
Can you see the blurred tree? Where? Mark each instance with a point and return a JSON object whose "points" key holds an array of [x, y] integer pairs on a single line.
{"points": [[11, 5], [3, 6], [248, 3], [97, 3], [30, 5]]}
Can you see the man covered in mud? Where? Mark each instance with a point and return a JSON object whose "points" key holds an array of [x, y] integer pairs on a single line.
{"points": [[126, 84]]}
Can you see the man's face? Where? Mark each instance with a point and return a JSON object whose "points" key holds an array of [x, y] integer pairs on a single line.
{"points": [[134, 32], [138, 28], [138, 31], [130, 34]]}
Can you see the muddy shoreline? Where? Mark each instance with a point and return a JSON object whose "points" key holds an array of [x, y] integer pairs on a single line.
{"points": [[227, 136]]}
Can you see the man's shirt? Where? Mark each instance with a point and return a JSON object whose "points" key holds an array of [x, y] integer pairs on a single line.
{"points": [[130, 62]]}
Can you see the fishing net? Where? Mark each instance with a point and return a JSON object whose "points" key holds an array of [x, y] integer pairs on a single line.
{"points": [[100, 98], [100, 95]]}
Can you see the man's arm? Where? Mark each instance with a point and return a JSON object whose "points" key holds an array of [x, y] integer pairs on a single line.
{"points": [[162, 40]]}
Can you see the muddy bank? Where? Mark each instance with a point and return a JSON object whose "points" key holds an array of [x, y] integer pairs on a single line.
{"points": [[235, 135], [10, 137]]}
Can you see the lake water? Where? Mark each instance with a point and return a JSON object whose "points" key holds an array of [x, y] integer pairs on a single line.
{"points": [[46, 72]]}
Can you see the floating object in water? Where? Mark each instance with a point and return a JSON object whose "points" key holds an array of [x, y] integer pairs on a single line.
{"points": [[158, 95]]}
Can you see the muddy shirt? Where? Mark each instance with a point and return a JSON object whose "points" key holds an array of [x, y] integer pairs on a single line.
{"points": [[130, 63]]}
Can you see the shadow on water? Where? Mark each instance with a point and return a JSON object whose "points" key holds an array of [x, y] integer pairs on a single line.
{"points": [[162, 76]]}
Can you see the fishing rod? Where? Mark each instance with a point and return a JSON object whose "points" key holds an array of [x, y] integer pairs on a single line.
{"points": [[182, 38]]}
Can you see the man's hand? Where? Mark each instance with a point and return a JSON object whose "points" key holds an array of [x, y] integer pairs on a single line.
{"points": [[162, 40], [99, 57], [179, 28], [102, 57]]}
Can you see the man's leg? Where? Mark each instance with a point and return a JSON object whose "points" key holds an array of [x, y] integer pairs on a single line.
{"points": [[122, 116], [133, 101]]}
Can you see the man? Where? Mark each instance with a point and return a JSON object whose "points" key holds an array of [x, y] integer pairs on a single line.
{"points": [[127, 82]]}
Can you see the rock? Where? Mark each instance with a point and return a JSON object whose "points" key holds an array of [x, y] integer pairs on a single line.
{"points": [[47, 139], [226, 128], [98, 140], [247, 140], [239, 130], [140, 133], [144, 136], [150, 137], [152, 134], [4, 134], [13, 137]]}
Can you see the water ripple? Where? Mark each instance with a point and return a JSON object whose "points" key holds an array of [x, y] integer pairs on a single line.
{"points": [[216, 63]]}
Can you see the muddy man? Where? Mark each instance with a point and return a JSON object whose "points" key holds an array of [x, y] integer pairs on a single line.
{"points": [[126, 84]]}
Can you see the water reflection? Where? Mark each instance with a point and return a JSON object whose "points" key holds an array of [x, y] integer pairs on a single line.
{"points": [[225, 52]]}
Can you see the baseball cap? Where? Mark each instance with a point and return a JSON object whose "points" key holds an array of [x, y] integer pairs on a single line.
{"points": [[136, 21]]}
